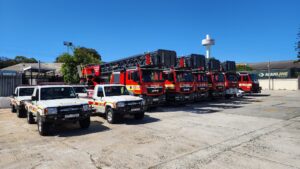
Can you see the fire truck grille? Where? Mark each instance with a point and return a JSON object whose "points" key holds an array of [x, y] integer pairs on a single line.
{"points": [[152, 90], [69, 109], [186, 89]]}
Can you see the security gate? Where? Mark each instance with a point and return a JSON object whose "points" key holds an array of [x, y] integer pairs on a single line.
{"points": [[9, 80]]}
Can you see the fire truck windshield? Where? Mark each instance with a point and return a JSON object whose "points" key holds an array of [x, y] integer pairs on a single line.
{"points": [[152, 76], [231, 77], [184, 76], [219, 77], [202, 78], [115, 90]]}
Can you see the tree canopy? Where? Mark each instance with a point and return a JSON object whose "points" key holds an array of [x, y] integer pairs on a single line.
{"points": [[243, 67], [81, 56], [5, 62]]}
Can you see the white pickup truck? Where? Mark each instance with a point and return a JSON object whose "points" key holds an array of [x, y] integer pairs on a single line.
{"points": [[114, 101], [20, 96], [51, 104]]}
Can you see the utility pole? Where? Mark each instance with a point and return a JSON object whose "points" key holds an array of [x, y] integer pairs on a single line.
{"points": [[269, 73], [69, 45]]}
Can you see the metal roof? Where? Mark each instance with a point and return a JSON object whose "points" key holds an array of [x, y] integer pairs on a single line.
{"points": [[287, 64]]}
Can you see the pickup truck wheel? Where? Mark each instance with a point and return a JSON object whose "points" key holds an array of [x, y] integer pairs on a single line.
{"points": [[13, 109], [30, 119], [19, 114], [139, 116], [111, 117], [43, 127], [85, 123]]}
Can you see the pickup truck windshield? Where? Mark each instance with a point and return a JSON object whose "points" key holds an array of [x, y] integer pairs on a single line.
{"points": [[184, 76], [253, 77], [115, 90], [25, 91], [79, 89], [152, 76], [57, 93]]}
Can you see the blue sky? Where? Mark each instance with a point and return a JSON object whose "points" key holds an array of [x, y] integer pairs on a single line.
{"points": [[244, 30]]}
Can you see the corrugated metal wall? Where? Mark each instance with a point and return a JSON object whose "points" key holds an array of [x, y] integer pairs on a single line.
{"points": [[9, 80]]}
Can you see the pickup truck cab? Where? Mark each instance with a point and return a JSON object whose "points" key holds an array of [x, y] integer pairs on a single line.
{"points": [[52, 104], [20, 96], [114, 101]]}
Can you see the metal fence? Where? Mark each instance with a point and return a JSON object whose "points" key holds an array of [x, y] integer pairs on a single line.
{"points": [[9, 80]]}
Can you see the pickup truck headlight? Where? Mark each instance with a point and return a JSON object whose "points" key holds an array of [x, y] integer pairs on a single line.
{"points": [[121, 104], [85, 107], [50, 110]]}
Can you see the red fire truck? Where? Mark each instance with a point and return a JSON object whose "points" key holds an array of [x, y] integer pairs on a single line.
{"points": [[142, 74], [216, 79], [198, 64], [248, 82], [179, 82], [231, 79]]}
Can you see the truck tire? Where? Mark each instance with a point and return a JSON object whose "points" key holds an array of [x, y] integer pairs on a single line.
{"points": [[30, 119], [43, 127], [20, 112], [139, 116], [85, 123], [13, 109], [111, 117]]}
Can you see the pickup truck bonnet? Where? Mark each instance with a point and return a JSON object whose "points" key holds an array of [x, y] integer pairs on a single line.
{"points": [[122, 98], [61, 102]]}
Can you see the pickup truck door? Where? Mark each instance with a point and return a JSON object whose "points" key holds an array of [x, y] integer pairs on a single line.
{"points": [[98, 100]]}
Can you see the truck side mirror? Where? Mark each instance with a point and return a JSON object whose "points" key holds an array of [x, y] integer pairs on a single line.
{"points": [[33, 98], [14, 95]]}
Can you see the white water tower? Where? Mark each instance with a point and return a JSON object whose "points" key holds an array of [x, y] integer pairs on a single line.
{"points": [[208, 42]]}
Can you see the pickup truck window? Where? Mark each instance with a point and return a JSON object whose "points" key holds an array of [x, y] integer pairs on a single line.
{"points": [[100, 92], [80, 89], [26, 91], [115, 90], [57, 93]]}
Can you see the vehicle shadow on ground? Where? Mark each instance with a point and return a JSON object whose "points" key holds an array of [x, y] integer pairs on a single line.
{"points": [[131, 121], [207, 106], [69, 130]]}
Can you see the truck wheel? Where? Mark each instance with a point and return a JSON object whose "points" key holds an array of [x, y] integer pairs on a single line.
{"points": [[13, 109], [139, 116], [111, 117], [85, 123], [43, 127], [19, 114], [30, 119]]}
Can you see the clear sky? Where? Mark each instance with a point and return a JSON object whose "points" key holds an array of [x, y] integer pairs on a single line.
{"points": [[244, 30]]}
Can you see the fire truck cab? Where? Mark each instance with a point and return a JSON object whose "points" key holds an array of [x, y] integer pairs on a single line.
{"points": [[231, 79], [146, 83], [216, 79], [248, 82], [179, 85]]}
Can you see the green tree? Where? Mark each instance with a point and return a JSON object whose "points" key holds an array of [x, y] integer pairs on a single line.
{"points": [[5, 62], [23, 59], [81, 56], [243, 67]]}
